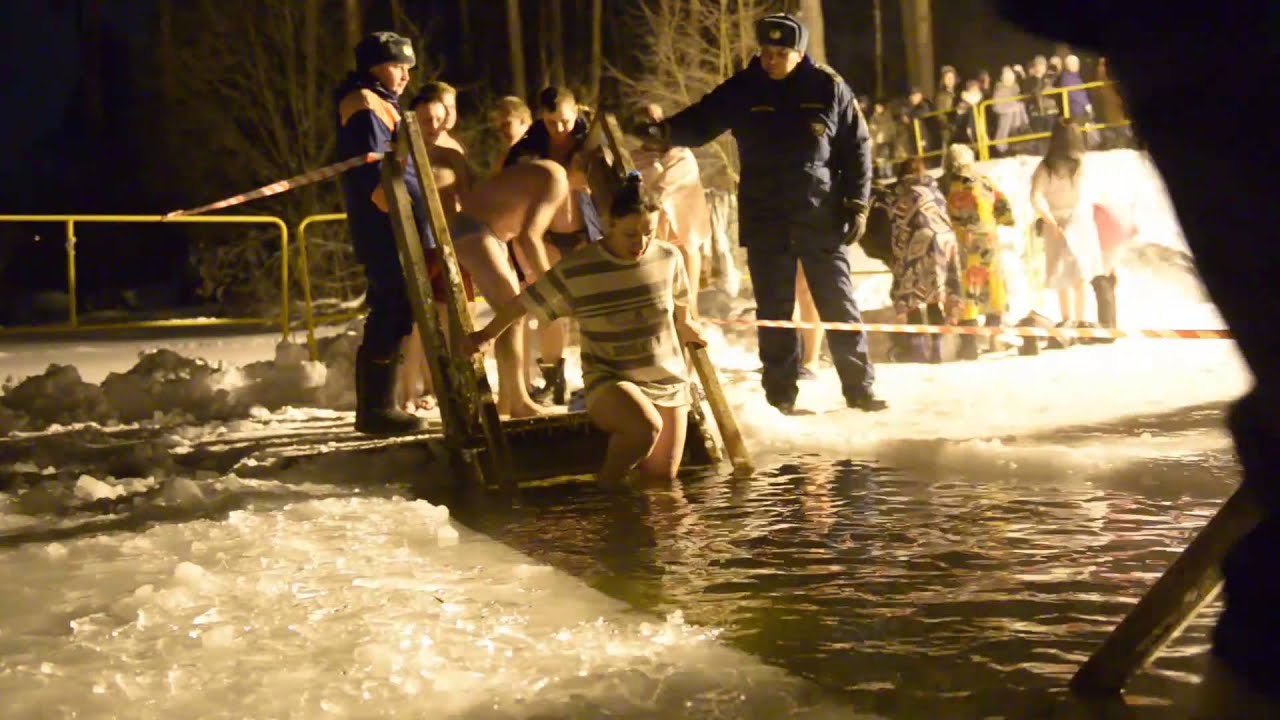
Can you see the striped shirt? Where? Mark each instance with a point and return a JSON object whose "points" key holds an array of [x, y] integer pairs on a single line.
{"points": [[625, 311]]}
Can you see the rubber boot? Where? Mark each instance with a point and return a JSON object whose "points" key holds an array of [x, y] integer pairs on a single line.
{"points": [[553, 384], [1056, 343], [968, 343], [376, 411], [1104, 290], [1031, 345], [918, 351], [994, 320], [935, 349]]}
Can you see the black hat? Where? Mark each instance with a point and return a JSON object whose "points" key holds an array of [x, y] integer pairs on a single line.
{"points": [[383, 47], [782, 31]]}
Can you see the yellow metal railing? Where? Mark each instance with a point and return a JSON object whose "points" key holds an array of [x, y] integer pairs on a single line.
{"points": [[984, 139], [983, 146], [73, 321], [304, 273]]}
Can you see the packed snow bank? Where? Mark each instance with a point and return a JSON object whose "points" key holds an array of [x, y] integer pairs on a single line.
{"points": [[166, 387], [343, 607], [1002, 410]]}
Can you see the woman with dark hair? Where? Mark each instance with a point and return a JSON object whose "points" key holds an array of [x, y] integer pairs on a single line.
{"points": [[926, 265], [558, 135], [631, 297], [1059, 195]]}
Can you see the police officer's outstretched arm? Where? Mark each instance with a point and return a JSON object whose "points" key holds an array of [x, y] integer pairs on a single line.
{"points": [[851, 159], [707, 119]]}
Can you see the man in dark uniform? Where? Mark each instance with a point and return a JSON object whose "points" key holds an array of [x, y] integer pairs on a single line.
{"points": [[1222, 192], [806, 177], [368, 113]]}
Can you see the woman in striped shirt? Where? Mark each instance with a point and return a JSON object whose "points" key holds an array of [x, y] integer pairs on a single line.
{"points": [[630, 295]]}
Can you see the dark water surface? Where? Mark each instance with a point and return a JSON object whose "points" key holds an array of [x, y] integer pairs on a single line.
{"points": [[917, 594]]}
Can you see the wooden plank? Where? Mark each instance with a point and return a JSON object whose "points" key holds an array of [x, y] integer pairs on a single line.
{"points": [[726, 422], [472, 392], [1187, 586], [418, 285]]}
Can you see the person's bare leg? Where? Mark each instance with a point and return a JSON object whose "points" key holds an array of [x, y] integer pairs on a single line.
{"points": [[1064, 304], [633, 424], [551, 336], [408, 372], [1078, 302], [485, 257], [663, 462], [807, 311], [693, 267]]}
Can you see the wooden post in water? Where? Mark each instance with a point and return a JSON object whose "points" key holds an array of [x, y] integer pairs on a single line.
{"points": [[477, 448], [727, 423], [1188, 585]]}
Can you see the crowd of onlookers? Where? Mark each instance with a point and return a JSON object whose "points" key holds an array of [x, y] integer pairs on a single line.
{"points": [[1023, 101]]}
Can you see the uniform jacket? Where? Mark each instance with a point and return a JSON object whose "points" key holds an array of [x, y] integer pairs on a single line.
{"points": [[368, 116], [803, 145]]}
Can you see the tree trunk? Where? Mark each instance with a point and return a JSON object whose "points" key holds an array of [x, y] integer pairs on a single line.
{"points": [[556, 37], [597, 49], [168, 76], [355, 23], [515, 32], [464, 28], [878, 19], [91, 61], [811, 16], [917, 25], [397, 13]]}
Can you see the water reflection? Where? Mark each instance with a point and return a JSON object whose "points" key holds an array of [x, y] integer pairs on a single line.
{"points": [[916, 594]]}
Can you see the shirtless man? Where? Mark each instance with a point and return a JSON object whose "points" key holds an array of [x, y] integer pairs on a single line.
{"points": [[453, 177], [559, 135], [447, 96], [510, 121], [515, 206]]}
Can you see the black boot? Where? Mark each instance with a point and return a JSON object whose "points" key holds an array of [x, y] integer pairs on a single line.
{"points": [[1031, 344], [1104, 290], [376, 411], [968, 343], [935, 349], [553, 385]]}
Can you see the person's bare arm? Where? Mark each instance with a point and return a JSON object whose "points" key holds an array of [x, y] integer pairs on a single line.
{"points": [[1040, 201], [503, 318]]}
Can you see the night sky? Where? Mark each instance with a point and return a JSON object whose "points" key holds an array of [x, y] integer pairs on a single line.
{"points": [[58, 158]]}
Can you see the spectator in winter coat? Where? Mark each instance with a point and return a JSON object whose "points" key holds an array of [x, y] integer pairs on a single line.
{"points": [[976, 209], [944, 99], [964, 128], [884, 139], [1011, 115], [926, 266], [1077, 100]]}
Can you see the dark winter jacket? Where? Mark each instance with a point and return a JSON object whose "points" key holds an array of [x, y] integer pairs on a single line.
{"points": [[804, 148], [367, 116], [1077, 100]]}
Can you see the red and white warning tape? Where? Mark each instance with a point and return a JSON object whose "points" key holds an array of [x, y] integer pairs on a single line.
{"points": [[276, 188], [979, 330]]}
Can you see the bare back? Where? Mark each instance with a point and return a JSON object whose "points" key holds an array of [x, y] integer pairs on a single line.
{"points": [[506, 201]]}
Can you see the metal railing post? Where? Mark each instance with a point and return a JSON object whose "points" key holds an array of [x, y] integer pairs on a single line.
{"points": [[72, 311]]}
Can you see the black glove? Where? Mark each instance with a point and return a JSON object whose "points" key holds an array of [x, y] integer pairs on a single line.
{"points": [[654, 136], [855, 214]]}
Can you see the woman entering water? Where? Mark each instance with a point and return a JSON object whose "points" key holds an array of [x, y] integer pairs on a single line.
{"points": [[630, 295]]}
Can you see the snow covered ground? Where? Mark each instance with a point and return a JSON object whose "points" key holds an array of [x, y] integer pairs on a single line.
{"points": [[319, 593]]}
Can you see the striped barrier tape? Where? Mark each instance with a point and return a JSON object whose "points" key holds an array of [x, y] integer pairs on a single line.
{"points": [[275, 188], [1103, 333]]}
